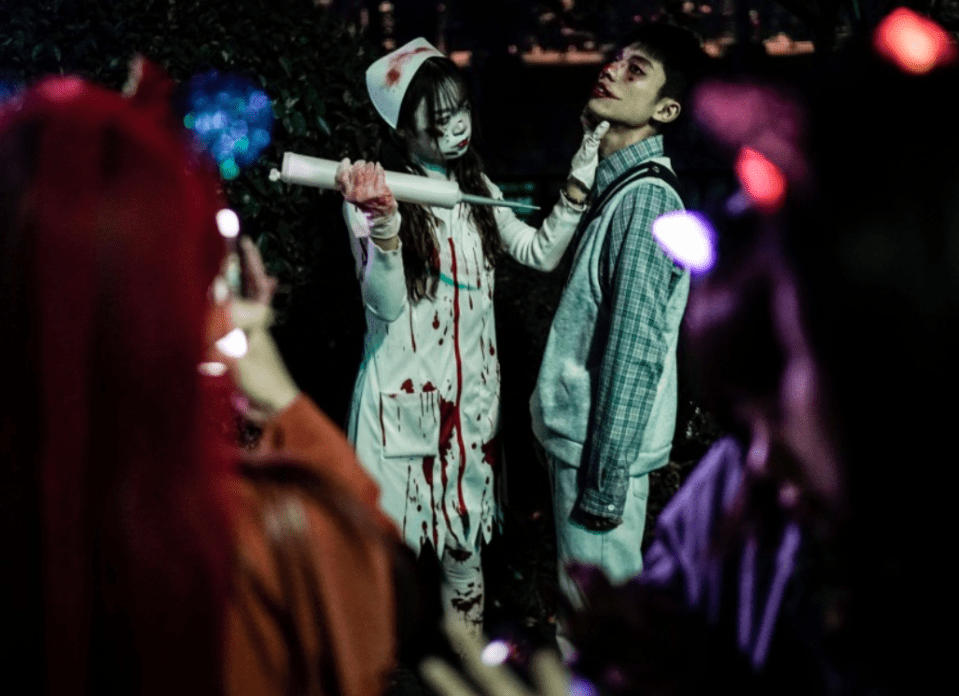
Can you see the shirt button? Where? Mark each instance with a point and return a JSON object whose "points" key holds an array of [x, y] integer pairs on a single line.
{"points": [[610, 507]]}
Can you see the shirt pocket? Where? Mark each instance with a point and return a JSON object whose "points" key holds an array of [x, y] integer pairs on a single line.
{"points": [[411, 424]]}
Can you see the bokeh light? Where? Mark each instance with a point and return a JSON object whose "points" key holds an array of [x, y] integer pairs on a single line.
{"points": [[687, 238], [762, 180], [496, 652], [212, 369], [228, 223], [913, 42], [231, 117], [581, 687], [62, 89], [764, 118], [233, 344]]}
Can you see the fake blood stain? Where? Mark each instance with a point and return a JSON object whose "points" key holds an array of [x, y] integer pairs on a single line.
{"points": [[448, 421], [407, 386], [491, 453], [459, 388], [463, 605], [395, 72]]}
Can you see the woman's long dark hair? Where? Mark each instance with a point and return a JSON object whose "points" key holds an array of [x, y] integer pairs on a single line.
{"points": [[436, 79]]}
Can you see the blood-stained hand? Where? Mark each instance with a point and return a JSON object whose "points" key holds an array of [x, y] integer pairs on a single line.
{"points": [[364, 185]]}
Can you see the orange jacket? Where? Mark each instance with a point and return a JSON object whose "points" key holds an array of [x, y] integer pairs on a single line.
{"points": [[317, 606]]}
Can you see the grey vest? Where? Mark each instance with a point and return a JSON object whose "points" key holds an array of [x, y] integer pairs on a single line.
{"points": [[562, 401]]}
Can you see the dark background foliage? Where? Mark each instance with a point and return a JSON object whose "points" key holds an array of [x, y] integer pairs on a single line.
{"points": [[310, 64]]}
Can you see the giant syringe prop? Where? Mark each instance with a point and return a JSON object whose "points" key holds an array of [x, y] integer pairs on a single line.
{"points": [[321, 173]]}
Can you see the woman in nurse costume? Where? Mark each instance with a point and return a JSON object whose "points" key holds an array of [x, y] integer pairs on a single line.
{"points": [[425, 409]]}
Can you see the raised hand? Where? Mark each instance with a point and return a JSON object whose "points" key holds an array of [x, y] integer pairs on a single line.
{"points": [[258, 369], [364, 185]]}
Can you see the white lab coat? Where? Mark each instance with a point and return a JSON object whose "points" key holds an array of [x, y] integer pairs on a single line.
{"points": [[425, 408]]}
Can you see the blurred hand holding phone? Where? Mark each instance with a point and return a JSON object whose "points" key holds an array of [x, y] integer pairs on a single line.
{"points": [[248, 350]]}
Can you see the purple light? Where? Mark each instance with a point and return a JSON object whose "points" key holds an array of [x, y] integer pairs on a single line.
{"points": [[687, 238], [581, 687], [756, 118]]}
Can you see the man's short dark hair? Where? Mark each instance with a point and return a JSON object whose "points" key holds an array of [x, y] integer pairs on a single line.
{"points": [[678, 49]]}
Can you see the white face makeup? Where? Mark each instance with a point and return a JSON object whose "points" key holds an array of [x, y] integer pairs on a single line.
{"points": [[627, 90], [455, 128]]}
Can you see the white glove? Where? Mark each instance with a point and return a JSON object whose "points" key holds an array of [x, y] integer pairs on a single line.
{"points": [[364, 185], [586, 159]]}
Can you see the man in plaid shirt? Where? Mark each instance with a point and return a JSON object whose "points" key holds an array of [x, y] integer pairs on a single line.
{"points": [[604, 407]]}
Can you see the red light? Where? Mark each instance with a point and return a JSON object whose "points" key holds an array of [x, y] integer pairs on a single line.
{"points": [[913, 42], [763, 181]]}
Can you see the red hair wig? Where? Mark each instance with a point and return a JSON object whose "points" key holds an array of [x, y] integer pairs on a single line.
{"points": [[120, 545]]}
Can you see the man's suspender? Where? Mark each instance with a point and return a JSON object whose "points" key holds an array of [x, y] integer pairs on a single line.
{"points": [[647, 169]]}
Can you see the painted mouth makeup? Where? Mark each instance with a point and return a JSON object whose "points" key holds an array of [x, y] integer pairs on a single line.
{"points": [[462, 144], [600, 91]]}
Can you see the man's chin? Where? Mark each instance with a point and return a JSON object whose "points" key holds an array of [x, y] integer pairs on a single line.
{"points": [[595, 113]]}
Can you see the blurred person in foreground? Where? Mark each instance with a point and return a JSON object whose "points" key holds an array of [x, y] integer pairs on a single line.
{"points": [[143, 555], [805, 556]]}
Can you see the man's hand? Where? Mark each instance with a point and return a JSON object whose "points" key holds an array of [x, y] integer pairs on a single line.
{"points": [[593, 523], [364, 185]]}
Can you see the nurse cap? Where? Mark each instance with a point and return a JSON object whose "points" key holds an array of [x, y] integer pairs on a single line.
{"points": [[388, 78]]}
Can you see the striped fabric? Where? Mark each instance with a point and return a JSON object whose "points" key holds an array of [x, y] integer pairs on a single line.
{"points": [[638, 279]]}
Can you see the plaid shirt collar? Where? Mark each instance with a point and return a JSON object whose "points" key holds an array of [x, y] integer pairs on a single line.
{"points": [[627, 158]]}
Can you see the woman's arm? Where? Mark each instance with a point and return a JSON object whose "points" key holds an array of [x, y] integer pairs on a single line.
{"points": [[541, 248], [544, 247], [373, 218]]}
